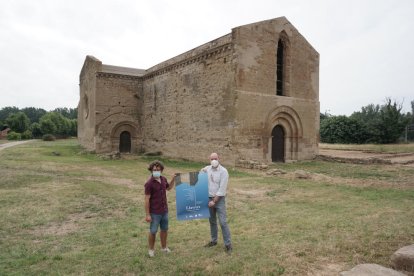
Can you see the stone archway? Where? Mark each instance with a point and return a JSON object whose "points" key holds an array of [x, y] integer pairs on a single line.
{"points": [[283, 118], [124, 137]]}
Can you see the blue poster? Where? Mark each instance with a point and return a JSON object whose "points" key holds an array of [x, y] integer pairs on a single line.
{"points": [[192, 196]]}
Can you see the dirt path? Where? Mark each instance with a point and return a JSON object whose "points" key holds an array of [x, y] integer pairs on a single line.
{"points": [[11, 144]]}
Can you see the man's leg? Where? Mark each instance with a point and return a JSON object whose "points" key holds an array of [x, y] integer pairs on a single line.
{"points": [[155, 222], [213, 224], [222, 215], [163, 237], [151, 240], [164, 232]]}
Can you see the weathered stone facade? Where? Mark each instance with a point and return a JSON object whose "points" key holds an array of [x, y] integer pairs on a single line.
{"points": [[252, 94]]}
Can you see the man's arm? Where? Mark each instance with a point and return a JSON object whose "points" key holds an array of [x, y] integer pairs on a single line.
{"points": [[224, 179], [147, 208], [172, 183], [213, 202], [216, 199]]}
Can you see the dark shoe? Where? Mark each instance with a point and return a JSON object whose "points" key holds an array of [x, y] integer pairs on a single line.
{"points": [[229, 249], [211, 244]]}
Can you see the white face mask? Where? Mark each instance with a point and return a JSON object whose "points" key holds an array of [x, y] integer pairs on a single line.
{"points": [[214, 163]]}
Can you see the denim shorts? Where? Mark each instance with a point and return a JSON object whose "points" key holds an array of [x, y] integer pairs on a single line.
{"points": [[160, 220]]}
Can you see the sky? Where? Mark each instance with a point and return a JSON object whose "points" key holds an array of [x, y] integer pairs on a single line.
{"points": [[365, 46]]}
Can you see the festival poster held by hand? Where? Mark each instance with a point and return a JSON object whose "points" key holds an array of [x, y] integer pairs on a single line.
{"points": [[192, 195]]}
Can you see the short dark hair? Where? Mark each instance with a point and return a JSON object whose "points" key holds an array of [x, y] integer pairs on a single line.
{"points": [[155, 163]]}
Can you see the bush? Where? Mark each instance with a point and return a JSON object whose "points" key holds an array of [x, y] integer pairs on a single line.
{"points": [[343, 130], [48, 137], [14, 136], [47, 126], [27, 135], [54, 123], [36, 130], [18, 122]]}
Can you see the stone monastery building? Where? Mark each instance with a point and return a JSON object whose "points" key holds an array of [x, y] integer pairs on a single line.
{"points": [[252, 94]]}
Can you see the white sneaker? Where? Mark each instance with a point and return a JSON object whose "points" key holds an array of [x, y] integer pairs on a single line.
{"points": [[166, 250], [151, 253]]}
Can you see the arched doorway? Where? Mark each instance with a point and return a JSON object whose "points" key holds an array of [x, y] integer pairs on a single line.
{"points": [[283, 121], [278, 144], [125, 142]]}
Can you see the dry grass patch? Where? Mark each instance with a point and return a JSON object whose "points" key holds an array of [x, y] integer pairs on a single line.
{"points": [[326, 269], [73, 223]]}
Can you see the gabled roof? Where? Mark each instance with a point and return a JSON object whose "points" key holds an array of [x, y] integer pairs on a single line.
{"points": [[122, 70], [281, 19]]}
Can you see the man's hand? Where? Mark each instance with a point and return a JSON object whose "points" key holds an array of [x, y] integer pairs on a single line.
{"points": [[148, 218], [211, 203]]}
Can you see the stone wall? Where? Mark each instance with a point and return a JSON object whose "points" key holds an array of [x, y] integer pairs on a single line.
{"points": [[86, 106], [258, 107], [187, 109], [118, 108]]}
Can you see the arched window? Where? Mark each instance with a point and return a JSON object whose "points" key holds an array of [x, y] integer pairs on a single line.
{"points": [[280, 65]]}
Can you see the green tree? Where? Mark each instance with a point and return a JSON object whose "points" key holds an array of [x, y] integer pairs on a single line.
{"points": [[14, 136], [410, 127], [73, 127], [369, 117], [412, 112], [36, 130], [392, 122], [55, 123], [383, 124], [27, 134], [47, 126], [18, 122], [7, 111], [70, 113], [34, 113], [323, 116], [342, 129]]}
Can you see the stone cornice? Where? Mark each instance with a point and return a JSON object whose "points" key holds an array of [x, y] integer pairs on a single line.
{"points": [[117, 76], [182, 63]]}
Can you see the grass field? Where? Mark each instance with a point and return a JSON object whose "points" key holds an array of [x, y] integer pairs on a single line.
{"points": [[67, 212]]}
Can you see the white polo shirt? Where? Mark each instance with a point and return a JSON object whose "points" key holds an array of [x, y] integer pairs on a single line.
{"points": [[217, 180]]}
